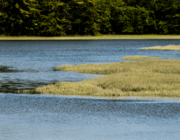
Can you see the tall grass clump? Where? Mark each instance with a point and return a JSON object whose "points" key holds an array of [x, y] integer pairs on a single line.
{"points": [[169, 47], [135, 78]]}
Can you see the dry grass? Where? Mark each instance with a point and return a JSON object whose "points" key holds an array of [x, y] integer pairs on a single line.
{"points": [[102, 37], [137, 57], [160, 66], [136, 78], [169, 47]]}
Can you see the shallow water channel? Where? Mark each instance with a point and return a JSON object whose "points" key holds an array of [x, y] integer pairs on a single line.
{"points": [[30, 64]]}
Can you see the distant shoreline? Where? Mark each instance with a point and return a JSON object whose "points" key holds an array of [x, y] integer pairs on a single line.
{"points": [[103, 37]]}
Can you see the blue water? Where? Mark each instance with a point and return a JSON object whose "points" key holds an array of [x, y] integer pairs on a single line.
{"points": [[30, 64], [33, 61]]}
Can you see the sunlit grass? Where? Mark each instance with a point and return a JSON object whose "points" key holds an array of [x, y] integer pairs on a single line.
{"points": [[100, 37], [137, 57], [160, 66], [169, 47], [136, 78]]}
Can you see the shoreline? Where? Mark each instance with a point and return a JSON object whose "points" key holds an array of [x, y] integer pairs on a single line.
{"points": [[74, 38], [150, 78]]}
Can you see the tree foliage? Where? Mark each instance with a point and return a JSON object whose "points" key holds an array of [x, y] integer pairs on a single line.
{"points": [[89, 17]]}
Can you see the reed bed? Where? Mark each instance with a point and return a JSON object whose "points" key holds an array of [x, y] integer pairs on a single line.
{"points": [[169, 47], [160, 66], [137, 57], [154, 78]]}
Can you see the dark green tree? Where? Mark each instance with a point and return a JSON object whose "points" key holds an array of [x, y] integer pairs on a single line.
{"points": [[104, 15], [167, 16], [89, 17], [84, 17], [130, 20], [20, 17], [3, 16], [54, 19]]}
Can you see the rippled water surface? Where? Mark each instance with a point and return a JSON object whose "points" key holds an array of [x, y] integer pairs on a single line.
{"points": [[37, 117], [29, 64]]}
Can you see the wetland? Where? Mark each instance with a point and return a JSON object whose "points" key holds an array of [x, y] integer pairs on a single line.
{"points": [[27, 65]]}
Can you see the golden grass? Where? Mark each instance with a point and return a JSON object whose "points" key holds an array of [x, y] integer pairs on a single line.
{"points": [[137, 57], [169, 47], [160, 66], [136, 78], [101, 37]]}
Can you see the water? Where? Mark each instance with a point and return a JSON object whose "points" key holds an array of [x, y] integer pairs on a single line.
{"points": [[29, 64], [36, 117]]}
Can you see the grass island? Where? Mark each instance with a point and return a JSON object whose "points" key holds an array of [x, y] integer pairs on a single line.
{"points": [[147, 78], [169, 47]]}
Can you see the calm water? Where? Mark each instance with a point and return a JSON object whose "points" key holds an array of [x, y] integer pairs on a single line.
{"points": [[29, 64]]}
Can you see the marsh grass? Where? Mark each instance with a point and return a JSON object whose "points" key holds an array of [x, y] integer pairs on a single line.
{"points": [[137, 57], [169, 47], [135, 78], [160, 66], [101, 37]]}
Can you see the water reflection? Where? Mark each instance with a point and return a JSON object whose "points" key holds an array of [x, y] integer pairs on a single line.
{"points": [[12, 86], [7, 69]]}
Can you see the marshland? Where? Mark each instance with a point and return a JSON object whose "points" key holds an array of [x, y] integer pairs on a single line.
{"points": [[136, 78], [169, 47], [91, 89]]}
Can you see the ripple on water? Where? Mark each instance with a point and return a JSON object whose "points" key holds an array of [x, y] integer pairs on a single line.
{"points": [[54, 117], [28, 64]]}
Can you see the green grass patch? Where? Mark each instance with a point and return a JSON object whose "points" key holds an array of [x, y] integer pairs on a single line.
{"points": [[169, 47], [154, 78]]}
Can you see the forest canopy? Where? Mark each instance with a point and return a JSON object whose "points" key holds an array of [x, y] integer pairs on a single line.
{"points": [[88, 17]]}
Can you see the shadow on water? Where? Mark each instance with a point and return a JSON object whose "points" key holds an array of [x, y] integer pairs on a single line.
{"points": [[11, 80], [6, 69], [12, 86]]}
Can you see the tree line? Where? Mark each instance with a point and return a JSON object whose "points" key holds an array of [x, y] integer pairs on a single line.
{"points": [[88, 17]]}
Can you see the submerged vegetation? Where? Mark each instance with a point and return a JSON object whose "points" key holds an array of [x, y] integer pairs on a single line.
{"points": [[88, 17], [135, 78], [169, 47]]}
